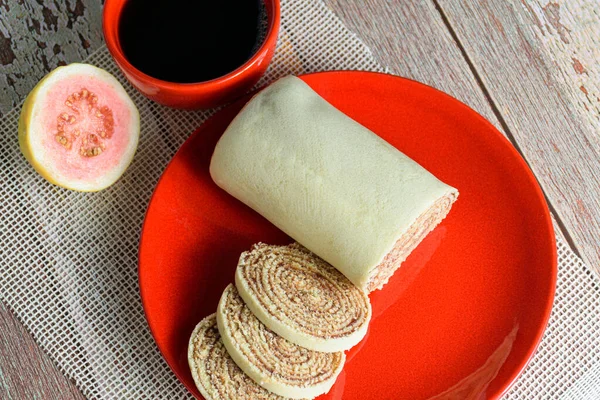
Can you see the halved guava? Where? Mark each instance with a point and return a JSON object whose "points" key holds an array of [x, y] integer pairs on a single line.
{"points": [[78, 128]]}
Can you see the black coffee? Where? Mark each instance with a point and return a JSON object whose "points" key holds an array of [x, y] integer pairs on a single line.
{"points": [[190, 41]]}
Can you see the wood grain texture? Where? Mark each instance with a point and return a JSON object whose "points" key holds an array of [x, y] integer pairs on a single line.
{"points": [[539, 62], [26, 372], [412, 40], [37, 36]]}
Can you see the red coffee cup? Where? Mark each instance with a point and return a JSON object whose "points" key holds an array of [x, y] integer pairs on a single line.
{"points": [[205, 94]]}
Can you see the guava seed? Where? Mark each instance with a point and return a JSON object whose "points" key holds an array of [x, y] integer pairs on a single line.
{"points": [[61, 139], [90, 145]]}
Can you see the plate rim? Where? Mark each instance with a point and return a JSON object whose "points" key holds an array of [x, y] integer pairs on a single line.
{"points": [[534, 185]]}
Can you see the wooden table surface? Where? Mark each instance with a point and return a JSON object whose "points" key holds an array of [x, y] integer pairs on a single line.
{"points": [[531, 67]]}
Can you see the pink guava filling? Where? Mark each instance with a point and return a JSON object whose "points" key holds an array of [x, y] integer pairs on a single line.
{"points": [[81, 125]]}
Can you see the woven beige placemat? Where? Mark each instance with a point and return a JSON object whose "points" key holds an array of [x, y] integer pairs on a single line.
{"points": [[68, 261]]}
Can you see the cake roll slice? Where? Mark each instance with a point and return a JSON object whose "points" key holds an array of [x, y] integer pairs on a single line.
{"points": [[215, 374], [328, 182], [302, 298], [273, 362]]}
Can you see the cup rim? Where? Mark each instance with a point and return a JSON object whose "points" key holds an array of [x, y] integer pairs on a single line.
{"points": [[110, 28]]}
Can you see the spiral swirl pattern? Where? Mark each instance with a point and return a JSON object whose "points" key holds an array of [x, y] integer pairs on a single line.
{"points": [[302, 298], [272, 361], [426, 222], [214, 372]]}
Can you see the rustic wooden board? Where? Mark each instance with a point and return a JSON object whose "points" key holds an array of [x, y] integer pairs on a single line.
{"points": [[26, 372], [539, 62], [413, 39], [37, 36], [410, 38]]}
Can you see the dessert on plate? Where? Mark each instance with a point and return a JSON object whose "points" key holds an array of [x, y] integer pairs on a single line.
{"points": [[356, 206], [273, 362], [302, 298], [214, 372], [328, 182]]}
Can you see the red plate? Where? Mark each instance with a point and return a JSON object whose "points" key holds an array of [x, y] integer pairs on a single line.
{"points": [[462, 316]]}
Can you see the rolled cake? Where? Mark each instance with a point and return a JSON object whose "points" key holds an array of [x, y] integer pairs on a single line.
{"points": [[302, 298], [328, 182], [216, 375], [273, 362]]}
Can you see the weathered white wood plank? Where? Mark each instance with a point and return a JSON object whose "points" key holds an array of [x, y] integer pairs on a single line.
{"points": [[26, 372], [412, 39], [540, 62], [37, 36]]}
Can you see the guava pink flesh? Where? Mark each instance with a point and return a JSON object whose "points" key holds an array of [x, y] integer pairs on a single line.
{"points": [[77, 120]]}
